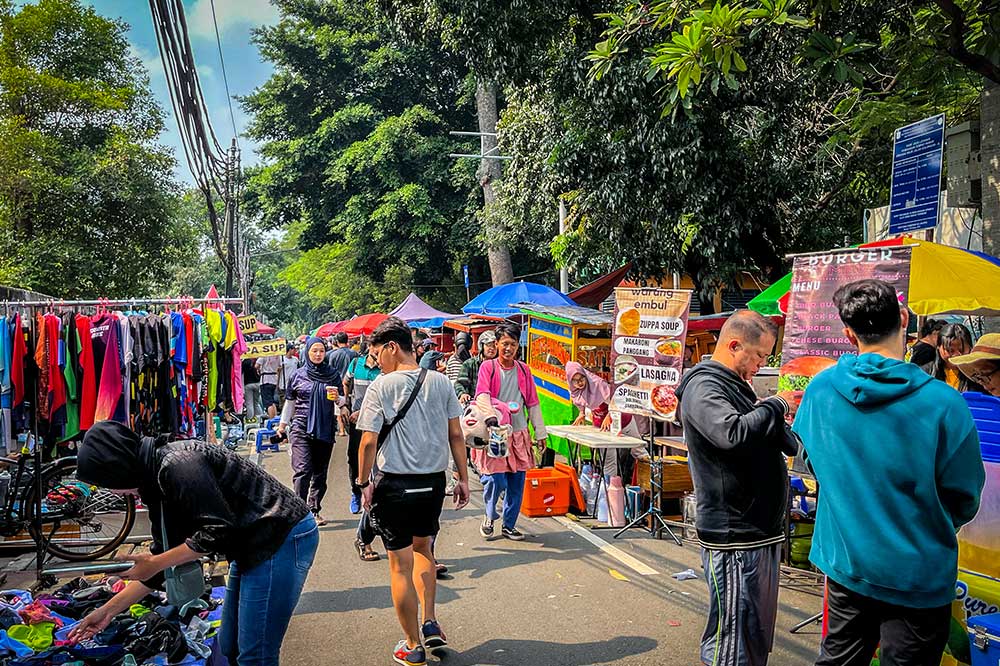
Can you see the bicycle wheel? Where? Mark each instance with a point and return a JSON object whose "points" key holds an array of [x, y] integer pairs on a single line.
{"points": [[77, 525]]}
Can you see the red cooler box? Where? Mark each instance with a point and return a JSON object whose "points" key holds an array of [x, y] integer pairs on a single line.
{"points": [[546, 493]]}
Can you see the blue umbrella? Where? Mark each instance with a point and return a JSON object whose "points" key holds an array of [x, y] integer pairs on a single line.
{"points": [[496, 302]]}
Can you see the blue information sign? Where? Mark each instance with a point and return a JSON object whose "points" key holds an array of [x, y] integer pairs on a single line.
{"points": [[917, 152], [465, 269]]}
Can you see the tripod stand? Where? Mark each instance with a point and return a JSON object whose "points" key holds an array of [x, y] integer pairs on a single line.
{"points": [[657, 524]]}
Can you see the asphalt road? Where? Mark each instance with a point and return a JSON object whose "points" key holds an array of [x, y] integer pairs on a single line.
{"points": [[555, 599]]}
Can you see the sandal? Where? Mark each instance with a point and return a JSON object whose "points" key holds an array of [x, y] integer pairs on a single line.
{"points": [[365, 552]]}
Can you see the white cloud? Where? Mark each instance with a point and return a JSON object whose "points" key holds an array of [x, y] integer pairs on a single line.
{"points": [[151, 61], [205, 71], [229, 14]]}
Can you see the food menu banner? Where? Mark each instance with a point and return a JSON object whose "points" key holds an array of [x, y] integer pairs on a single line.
{"points": [[814, 334], [647, 350]]}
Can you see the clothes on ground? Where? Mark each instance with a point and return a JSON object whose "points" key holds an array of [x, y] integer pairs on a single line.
{"points": [[742, 605], [419, 443], [886, 530], [736, 448]]}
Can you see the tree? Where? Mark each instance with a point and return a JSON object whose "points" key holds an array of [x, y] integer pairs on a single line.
{"points": [[85, 190], [889, 63], [354, 125]]}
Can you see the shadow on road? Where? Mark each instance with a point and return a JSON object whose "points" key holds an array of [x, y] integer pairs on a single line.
{"points": [[361, 598], [511, 652]]}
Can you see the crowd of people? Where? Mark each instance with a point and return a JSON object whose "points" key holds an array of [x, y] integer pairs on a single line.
{"points": [[398, 401]]}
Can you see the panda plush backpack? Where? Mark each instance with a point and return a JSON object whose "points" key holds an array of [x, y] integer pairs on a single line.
{"points": [[486, 425]]}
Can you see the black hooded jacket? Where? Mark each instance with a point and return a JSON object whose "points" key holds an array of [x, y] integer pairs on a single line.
{"points": [[208, 497], [735, 446]]}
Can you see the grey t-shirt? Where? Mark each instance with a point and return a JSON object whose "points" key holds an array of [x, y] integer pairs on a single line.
{"points": [[419, 443], [510, 393]]}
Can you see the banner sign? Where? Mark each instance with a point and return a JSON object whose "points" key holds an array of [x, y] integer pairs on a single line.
{"points": [[915, 194], [647, 350], [263, 348], [814, 334], [248, 324]]}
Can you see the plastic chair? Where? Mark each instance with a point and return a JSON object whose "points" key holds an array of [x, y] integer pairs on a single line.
{"points": [[266, 446]]}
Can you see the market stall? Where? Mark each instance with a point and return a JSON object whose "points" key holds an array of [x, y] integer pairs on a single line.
{"points": [[558, 334], [474, 326]]}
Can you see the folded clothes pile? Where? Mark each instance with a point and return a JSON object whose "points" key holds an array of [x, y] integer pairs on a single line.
{"points": [[34, 629]]}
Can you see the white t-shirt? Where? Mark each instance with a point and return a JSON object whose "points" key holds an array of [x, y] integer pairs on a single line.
{"points": [[419, 442]]}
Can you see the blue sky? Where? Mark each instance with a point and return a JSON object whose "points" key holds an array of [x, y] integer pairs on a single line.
{"points": [[244, 67]]}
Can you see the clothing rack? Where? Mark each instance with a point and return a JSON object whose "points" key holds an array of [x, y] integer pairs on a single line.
{"points": [[46, 576]]}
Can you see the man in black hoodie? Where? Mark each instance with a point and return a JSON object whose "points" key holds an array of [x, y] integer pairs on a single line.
{"points": [[736, 446]]}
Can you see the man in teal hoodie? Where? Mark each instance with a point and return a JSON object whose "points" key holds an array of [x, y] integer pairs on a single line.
{"points": [[897, 458]]}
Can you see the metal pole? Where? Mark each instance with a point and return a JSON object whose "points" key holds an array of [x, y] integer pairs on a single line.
{"points": [[563, 272], [130, 301]]}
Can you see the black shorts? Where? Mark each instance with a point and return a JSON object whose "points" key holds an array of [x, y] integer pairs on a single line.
{"points": [[405, 506], [268, 395]]}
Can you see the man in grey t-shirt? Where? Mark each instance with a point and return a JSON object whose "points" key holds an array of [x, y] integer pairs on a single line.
{"points": [[407, 495]]}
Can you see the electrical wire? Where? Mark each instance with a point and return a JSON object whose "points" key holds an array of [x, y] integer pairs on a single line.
{"points": [[225, 79]]}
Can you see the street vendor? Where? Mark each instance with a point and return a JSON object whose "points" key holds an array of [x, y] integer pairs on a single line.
{"points": [[509, 380], [591, 393], [982, 364]]}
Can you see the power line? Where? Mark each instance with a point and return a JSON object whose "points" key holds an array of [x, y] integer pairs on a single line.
{"points": [[225, 79]]}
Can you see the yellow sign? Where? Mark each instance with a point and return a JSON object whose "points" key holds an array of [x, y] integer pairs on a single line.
{"points": [[264, 348], [248, 324]]}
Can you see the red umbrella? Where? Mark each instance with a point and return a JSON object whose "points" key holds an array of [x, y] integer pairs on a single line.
{"points": [[365, 324], [264, 329], [329, 328]]}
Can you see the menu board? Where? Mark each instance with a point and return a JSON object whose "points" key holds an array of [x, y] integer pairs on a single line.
{"points": [[647, 350], [814, 333]]}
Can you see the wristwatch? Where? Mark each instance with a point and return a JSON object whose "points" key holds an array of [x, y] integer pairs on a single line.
{"points": [[362, 486]]}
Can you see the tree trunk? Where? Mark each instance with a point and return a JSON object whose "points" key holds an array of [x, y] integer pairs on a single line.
{"points": [[501, 271], [989, 150]]}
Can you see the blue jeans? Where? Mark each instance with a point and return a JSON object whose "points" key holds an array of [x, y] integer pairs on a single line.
{"points": [[493, 485], [260, 601]]}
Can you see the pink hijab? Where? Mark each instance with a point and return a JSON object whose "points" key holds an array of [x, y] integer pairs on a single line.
{"points": [[597, 393]]}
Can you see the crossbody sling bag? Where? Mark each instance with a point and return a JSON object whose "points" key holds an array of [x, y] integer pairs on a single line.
{"points": [[185, 583]]}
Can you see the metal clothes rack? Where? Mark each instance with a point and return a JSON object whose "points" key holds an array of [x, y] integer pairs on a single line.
{"points": [[46, 576]]}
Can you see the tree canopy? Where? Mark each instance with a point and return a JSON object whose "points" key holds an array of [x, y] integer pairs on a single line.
{"points": [[86, 192]]}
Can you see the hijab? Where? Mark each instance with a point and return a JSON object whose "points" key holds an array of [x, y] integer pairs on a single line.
{"points": [[113, 456], [597, 392], [321, 414]]}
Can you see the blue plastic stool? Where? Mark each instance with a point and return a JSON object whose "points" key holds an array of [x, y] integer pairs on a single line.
{"points": [[272, 423], [261, 445]]}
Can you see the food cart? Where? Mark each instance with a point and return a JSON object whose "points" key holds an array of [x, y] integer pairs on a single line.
{"points": [[474, 326], [557, 334]]}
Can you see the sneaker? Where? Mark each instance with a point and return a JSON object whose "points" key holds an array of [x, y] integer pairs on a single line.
{"points": [[433, 636], [512, 534], [408, 656], [486, 529], [355, 504]]}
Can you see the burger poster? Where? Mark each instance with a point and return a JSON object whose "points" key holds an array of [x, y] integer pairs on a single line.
{"points": [[814, 335], [647, 350]]}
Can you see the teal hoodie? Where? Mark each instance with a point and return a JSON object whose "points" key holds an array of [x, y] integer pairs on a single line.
{"points": [[897, 458]]}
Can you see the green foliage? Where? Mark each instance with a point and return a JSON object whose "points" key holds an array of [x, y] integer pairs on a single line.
{"points": [[86, 194], [354, 126]]}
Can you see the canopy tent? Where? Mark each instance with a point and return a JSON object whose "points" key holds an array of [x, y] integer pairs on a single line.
{"points": [[418, 314], [498, 301], [264, 329], [330, 327], [364, 325], [943, 280], [593, 294]]}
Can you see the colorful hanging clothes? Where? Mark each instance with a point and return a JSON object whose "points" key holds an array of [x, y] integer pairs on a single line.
{"points": [[19, 350], [71, 371], [239, 348], [41, 362], [56, 357], [109, 393], [87, 388]]}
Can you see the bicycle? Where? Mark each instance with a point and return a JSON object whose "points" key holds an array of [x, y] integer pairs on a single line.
{"points": [[78, 521]]}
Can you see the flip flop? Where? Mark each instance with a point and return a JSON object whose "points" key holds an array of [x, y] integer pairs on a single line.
{"points": [[365, 554]]}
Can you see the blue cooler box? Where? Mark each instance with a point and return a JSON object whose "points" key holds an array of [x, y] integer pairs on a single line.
{"points": [[984, 636]]}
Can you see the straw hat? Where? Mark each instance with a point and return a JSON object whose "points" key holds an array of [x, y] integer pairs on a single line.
{"points": [[986, 349]]}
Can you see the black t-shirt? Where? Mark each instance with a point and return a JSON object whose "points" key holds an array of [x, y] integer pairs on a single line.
{"points": [[922, 353], [250, 374]]}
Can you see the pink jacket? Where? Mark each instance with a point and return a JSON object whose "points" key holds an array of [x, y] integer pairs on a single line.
{"points": [[489, 381]]}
